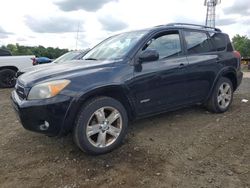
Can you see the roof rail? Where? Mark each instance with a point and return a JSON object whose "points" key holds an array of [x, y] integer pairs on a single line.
{"points": [[195, 25]]}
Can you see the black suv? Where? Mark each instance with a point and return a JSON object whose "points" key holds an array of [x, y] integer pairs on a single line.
{"points": [[129, 76]]}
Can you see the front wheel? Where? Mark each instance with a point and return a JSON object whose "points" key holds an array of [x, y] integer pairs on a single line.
{"points": [[101, 125], [7, 78], [221, 97]]}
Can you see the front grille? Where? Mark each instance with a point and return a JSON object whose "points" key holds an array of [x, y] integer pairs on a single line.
{"points": [[20, 91]]}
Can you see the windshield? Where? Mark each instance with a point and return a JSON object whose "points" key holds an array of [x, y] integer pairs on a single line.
{"points": [[115, 47], [66, 57]]}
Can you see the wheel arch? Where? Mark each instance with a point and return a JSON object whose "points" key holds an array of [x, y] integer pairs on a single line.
{"points": [[115, 91], [229, 73], [9, 67], [231, 76]]}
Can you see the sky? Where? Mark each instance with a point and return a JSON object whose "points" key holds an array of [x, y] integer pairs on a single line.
{"points": [[55, 22]]}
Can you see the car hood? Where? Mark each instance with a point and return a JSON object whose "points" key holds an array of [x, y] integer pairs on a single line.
{"points": [[62, 71], [36, 67]]}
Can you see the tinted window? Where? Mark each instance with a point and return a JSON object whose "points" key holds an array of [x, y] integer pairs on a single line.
{"points": [[167, 45], [218, 41], [197, 42]]}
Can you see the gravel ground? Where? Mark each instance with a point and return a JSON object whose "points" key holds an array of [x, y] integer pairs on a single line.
{"points": [[247, 74], [185, 148]]}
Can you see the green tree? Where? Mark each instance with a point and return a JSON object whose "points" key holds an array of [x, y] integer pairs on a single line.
{"points": [[38, 51], [242, 44], [12, 48]]}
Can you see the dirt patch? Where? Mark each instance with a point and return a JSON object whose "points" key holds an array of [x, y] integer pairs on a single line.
{"points": [[186, 148]]}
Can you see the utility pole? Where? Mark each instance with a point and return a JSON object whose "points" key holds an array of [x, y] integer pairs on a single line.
{"points": [[211, 7]]}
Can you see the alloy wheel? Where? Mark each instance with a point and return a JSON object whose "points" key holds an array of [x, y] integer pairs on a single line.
{"points": [[104, 127], [224, 95]]}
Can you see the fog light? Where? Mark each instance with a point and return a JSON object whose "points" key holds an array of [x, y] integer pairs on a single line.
{"points": [[44, 126]]}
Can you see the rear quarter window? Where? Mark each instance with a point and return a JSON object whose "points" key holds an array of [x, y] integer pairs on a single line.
{"points": [[218, 41]]}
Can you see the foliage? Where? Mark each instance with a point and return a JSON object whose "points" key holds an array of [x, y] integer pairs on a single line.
{"points": [[38, 51], [242, 44]]}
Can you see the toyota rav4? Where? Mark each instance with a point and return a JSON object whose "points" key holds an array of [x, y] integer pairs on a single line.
{"points": [[129, 76]]}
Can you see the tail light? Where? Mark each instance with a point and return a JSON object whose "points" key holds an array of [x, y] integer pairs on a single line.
{"points": [[237, 54]]}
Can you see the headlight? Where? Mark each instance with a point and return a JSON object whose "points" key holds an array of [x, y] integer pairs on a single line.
{"points": [[47, 89]]}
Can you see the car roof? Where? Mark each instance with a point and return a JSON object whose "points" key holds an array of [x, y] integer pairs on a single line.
{"points": [[176, 26], [186, 26]]}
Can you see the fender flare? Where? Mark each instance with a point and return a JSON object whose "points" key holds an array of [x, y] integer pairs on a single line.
{"points": [[224, 71]]}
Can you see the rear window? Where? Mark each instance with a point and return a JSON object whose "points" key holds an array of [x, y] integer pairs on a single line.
{"points": [[197, 42], [218, 41]]}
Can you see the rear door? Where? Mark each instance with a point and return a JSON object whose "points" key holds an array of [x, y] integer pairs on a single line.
{"points": [[203, 64], [161, 84]]}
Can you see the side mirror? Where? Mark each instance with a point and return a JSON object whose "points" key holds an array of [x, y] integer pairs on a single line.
{"points": [[148, 55]]}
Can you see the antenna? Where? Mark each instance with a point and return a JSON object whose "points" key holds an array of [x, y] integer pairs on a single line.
{"points": [[211, 6], [77, 34]]}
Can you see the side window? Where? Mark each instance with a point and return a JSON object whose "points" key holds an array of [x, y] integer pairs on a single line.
{"points": [[218, 41], [197, 42], [167, 45]]}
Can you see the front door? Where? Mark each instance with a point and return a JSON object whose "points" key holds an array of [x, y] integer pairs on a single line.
{"points": [[161, 85]]}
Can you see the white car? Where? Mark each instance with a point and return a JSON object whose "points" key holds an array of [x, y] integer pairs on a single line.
{"points": [[9, 65]]}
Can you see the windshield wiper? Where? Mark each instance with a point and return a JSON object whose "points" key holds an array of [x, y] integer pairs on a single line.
{"points": [[91, 59]]}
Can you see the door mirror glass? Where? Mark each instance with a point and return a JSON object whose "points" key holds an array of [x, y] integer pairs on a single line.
{"points": [[148, 55]]}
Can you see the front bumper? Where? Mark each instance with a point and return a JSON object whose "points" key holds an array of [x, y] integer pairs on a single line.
{"points": [[34, 113]]}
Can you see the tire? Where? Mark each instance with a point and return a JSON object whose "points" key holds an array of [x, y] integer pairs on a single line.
{"points": [[221, 97], [7, 78], [101, 125]]}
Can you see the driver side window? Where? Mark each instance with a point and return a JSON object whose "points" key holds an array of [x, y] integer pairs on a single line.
{"points": [[167, 45]]}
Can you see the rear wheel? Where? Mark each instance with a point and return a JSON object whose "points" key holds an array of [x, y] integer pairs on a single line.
{"points": [[221, 97], [101, 125], [7, 78]]}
